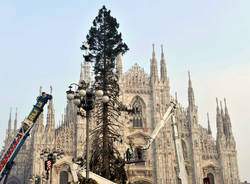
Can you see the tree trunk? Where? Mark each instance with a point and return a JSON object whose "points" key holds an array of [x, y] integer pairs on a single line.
{"points": [[106, 153]]}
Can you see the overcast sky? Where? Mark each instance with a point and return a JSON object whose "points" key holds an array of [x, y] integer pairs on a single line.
{"points": [[40, 45]]}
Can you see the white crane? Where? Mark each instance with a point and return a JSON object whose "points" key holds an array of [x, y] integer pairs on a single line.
{"points": [[78, 171], [170, 113]]}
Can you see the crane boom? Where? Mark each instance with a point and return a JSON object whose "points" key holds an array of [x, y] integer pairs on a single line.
{"points": [[78, 171], [170, 113], [181, 172], [7, 159], [159, 125]]}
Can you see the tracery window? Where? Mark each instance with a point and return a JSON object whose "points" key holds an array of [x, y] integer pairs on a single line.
{"points": [[139, 112]]}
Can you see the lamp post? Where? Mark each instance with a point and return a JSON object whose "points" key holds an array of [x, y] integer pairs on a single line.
{"points": [[49, 158], [84, 98]]}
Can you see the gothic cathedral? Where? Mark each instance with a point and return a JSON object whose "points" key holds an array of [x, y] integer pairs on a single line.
{"points": [[204, 156]]}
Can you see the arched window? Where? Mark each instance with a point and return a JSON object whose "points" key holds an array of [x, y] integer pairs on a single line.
{"points": [[211, 178], [63, 177], [139, 112]]}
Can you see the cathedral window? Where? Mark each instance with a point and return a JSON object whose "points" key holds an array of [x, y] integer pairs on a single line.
{"points": [[139, 112]]}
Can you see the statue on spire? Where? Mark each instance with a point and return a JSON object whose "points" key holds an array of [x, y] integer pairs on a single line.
{"points": [[87, 48], [208, 126], [15, 121], [162, 53], [9, 125], [163, 66], [153, 45], [50, 89], [40, 90], [190, 93]]}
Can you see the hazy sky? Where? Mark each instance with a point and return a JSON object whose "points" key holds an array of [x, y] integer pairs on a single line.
{"points": [[40, 45]]}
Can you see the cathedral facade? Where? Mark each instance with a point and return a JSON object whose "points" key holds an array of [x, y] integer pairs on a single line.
{"points": [[205, 157]]}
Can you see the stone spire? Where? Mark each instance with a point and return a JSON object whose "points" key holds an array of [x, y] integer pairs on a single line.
{"points": [[208, 125], [154, 71], [15, 122], [119, 65], [40, 90], [163, 66], [176, 99], [222, 113], [63, 122], [50, 126], [219, 122], [223, 119], [86, 65], [227, 121], [191, 101], [82, 72], [9, 124]]}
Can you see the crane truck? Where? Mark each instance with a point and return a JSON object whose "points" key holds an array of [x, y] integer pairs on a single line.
{"points": [[169, 114], [7, 158]]}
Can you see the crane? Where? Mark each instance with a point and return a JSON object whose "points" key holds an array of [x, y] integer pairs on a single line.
{"points": [[7, 158], [170, 113]]}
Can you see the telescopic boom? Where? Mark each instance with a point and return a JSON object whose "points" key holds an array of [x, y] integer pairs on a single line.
{"points": [[161, 124], [170, 113], [7, 159]]}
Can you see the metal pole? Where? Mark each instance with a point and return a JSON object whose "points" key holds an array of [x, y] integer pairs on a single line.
{"points": [[87, 145]]}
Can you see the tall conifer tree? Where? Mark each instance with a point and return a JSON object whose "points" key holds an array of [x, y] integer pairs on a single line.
{"points": [[105, 43]]}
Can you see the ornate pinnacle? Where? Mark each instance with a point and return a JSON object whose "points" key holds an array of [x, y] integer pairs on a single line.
{"points": [[208, 128], [153, 50], [162, 53], [41, 90]]}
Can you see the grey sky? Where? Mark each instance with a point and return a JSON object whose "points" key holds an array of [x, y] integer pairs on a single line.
{"points": [[40, 45]]}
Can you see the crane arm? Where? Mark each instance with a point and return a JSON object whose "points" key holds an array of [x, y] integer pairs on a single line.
{"points": [[77, 171], [181, 172], [170, 113], [6, 160], [159, 125]]}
